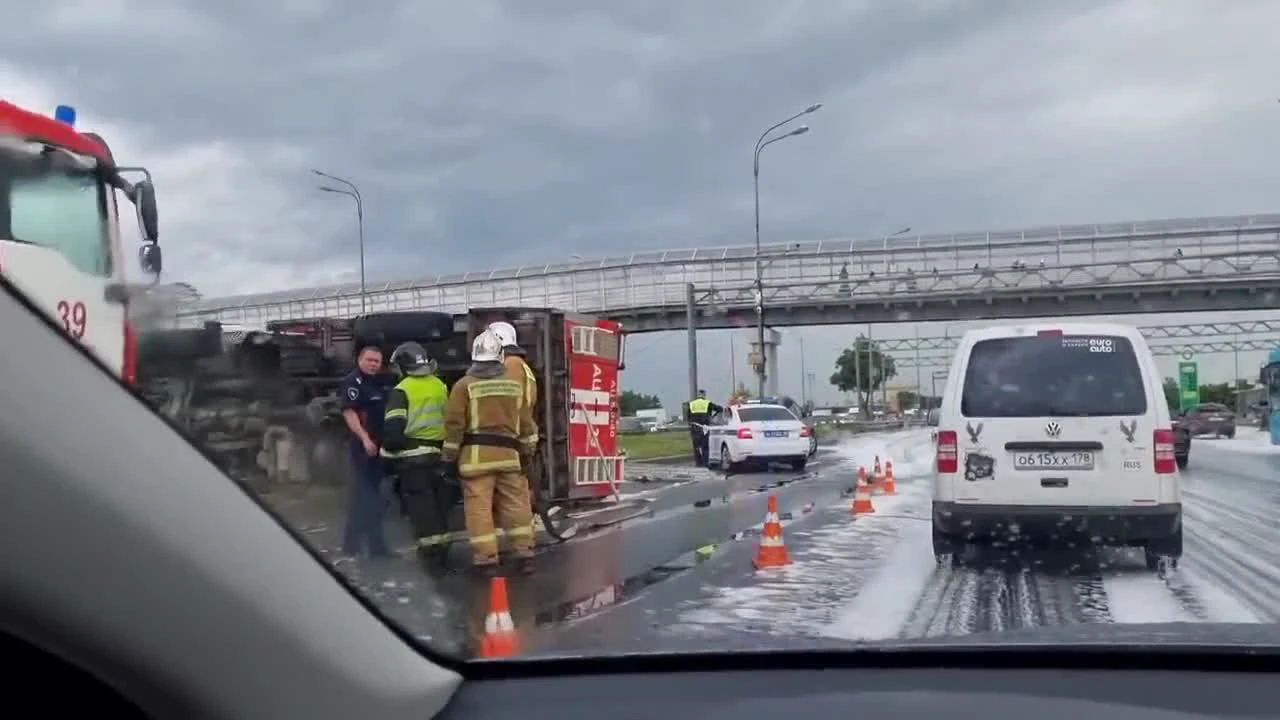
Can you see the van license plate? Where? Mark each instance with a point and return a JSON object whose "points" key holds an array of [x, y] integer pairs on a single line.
{"points": [[776, 433], [1074, 460]]}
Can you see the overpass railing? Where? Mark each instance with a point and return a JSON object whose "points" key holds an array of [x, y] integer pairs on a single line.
{"points": [[1153, 251]]}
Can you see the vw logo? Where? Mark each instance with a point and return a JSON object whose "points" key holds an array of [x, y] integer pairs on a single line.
{"points": [[1053, 429]]}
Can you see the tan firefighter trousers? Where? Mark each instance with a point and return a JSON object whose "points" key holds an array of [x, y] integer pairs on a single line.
{"points": [[505, 494]]}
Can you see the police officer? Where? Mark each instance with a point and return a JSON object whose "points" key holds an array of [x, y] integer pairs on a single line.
{"points": [[363, 397], [412, 435], [701, 411]]}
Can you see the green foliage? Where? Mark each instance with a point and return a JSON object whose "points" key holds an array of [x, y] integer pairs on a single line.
{"points": [[629, 402], [861, 369]]}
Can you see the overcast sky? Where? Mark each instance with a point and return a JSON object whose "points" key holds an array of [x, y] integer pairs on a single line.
{"points": [[487, 133]]}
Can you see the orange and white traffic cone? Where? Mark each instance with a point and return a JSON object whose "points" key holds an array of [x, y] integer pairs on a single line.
{"points": [[876, 472], [500, 639], [862, 476], [772, 551], [887, 486], [862, 495]]}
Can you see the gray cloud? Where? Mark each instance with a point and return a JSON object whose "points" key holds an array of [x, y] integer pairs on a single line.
{"points": [[495, 133]]}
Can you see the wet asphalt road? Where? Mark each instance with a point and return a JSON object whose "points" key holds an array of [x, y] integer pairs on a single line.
{"points": [[700, 509], [874, 579]]}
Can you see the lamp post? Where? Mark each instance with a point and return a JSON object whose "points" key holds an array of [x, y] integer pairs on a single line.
{"points": [[761, 144], [354, 193]]}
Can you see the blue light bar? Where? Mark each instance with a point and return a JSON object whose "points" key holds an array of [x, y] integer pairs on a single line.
{"points": [[66, 114]]}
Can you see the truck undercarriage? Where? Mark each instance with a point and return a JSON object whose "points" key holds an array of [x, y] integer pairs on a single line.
{"points": [[263, 404]]}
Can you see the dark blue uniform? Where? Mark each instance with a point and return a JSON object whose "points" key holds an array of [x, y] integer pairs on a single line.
{"points": [[367, 395]]}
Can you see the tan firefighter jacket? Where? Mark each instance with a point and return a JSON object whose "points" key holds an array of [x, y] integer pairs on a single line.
{"points": [[488, 424]]}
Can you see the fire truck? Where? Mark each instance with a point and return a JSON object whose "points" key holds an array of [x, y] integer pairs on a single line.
{"points": [[59, 229], [264, 403]]}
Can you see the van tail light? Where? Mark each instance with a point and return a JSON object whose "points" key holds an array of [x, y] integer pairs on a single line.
{"points": [[1164, 461], [744, 433], [129, 368], [948, 458], [1049, 333], [805, 431]]}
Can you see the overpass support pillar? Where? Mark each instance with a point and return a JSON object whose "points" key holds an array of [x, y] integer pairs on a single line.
{"points": [[772, 338]]}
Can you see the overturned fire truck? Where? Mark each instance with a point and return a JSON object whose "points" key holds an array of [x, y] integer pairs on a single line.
{"points": [[263, 403]]}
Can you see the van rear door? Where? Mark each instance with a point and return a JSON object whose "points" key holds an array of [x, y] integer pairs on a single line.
{"points": [[1054, 419]]}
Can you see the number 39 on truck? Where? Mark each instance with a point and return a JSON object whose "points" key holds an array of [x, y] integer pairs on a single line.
{"points": [[59, 229]]}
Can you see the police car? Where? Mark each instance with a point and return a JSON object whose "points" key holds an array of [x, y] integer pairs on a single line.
{"points": [[757, 432]]}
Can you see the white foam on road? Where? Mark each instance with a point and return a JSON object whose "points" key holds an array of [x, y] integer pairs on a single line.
{"points": [[1219, 604], [1247, 440], [1143, 599], [881, 609], [830, 564]]}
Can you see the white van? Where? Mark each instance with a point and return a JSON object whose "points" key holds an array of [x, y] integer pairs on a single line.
{"points": [[1055, 432]]}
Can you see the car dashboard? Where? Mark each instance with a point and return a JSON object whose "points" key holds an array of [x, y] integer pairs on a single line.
{"points": [[817, 685]]}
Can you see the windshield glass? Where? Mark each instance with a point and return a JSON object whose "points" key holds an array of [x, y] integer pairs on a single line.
{"points": [[575, 178], [762, 414], [57, 210], [1080, 375]]}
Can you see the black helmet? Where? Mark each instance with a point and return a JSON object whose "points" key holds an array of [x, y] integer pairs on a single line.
{"points": [[411, 359]]}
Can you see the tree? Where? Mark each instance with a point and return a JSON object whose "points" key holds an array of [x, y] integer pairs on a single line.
{"points": [[1222, 393], [861, 369], [907, 400], [629, 402]]}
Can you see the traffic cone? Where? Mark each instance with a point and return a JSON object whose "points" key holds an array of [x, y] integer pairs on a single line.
{"points": [[500, 639], [862, 476], [887, 486], [876, 472], [862, 495], [772, 551]]}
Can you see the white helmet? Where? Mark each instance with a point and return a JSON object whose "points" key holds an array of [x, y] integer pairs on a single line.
{"points": [[506, 333], [486, 347]]}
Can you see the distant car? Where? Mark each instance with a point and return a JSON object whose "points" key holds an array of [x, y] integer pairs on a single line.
{"points": [[757, 433], [1181, 444], [1209, 419], [813, 437], [1049, 431]]}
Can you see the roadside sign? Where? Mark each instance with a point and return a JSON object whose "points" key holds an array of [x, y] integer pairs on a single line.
{"points": [[1188, 385]]}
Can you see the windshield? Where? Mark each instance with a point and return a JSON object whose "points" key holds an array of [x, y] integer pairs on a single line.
{"points": [[62, 211], [764, 414], [854, 214], [1078, 375]]}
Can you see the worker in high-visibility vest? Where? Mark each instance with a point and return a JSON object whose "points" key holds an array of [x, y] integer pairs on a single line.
{"points": [[701, 410], [489, 431], [412, 439]]}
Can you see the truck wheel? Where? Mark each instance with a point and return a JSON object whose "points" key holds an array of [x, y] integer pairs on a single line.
{"points": [[392, 328]]}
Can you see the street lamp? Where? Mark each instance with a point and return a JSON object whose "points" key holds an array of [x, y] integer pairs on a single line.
{"points": [[353, 193], [761, 144]]}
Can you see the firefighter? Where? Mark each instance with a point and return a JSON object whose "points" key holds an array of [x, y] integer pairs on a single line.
{"points": [[701, 410], [412, 437], [513, 357], [489, 431]]}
